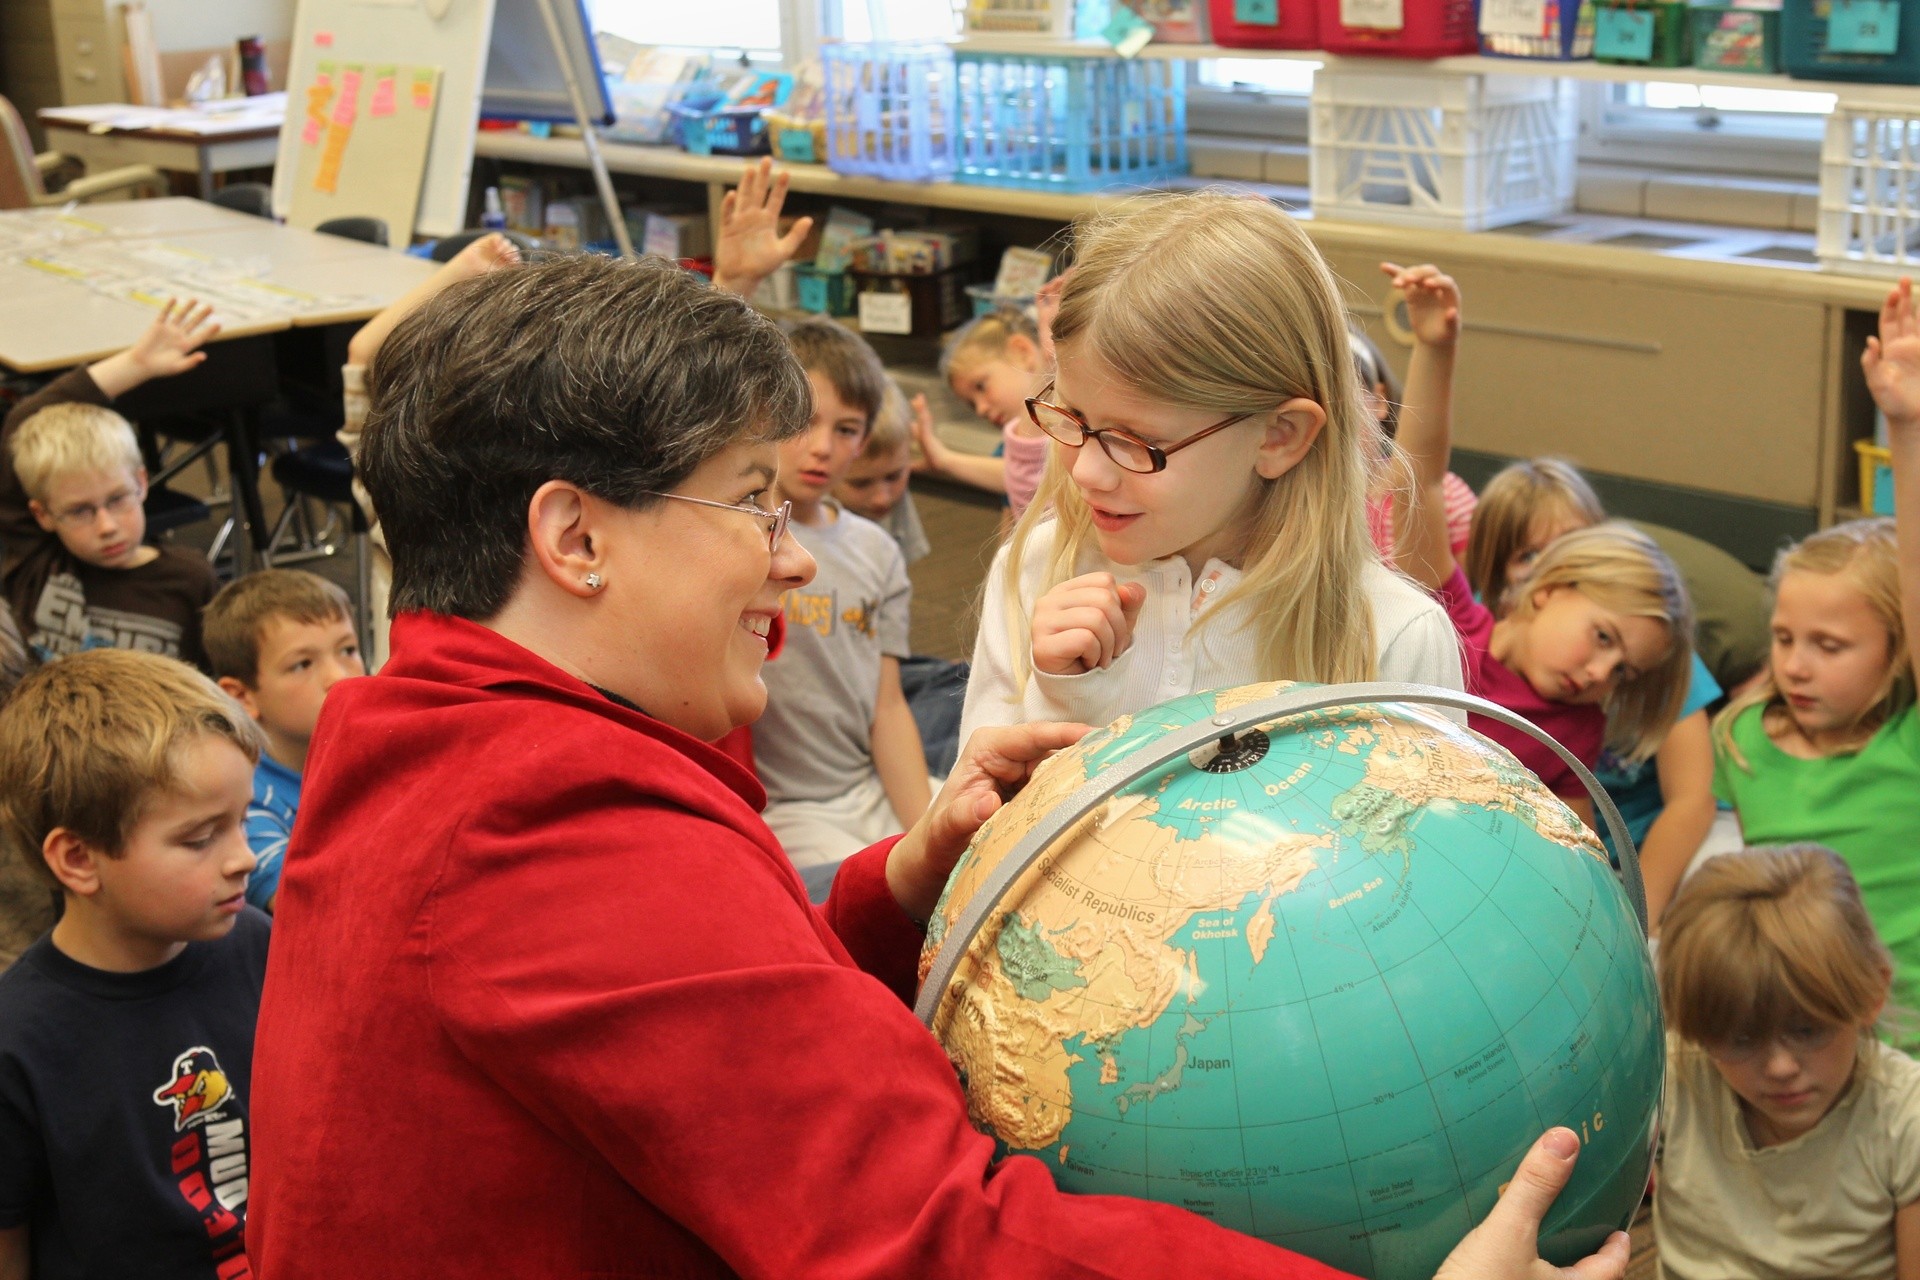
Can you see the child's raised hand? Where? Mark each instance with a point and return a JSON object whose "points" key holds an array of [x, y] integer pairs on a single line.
{"points": [[1892, 360], [1084, 624], [172, 342], [488, 253], [170, 345], [1433, 302], [750, 247]]}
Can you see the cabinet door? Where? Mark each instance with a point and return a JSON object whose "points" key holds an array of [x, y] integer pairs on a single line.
{"points": [[1668, 383]]}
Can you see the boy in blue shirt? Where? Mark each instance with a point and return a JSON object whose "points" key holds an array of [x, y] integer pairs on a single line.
{"points": [[126, 1033], [278, 640]]}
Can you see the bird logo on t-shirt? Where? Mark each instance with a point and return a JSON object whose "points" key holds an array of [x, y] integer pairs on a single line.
{"points": [[198, 1090]]}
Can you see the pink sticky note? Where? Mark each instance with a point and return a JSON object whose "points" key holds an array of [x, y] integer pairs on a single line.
{"points": [[348, 106], [324, 39], [311, 133], [382, 104]]}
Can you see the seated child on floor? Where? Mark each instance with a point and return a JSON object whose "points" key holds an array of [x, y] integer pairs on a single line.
{"points": [[126, 1034], [1791, 1133], [837, 747], [995, 365], [77, 569], [1596, 645], [278, 640]]}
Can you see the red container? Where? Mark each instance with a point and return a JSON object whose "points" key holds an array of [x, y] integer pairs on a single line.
{"points": [[1430, 29], [1296, 24]]}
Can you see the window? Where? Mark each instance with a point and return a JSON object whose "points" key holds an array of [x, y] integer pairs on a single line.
{"points": [[1251, 97], [749, 25], [1772, 132], [862, 20]]}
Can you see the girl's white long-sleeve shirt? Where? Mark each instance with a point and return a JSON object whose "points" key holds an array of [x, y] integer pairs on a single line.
{"points": [[1167, 659]]}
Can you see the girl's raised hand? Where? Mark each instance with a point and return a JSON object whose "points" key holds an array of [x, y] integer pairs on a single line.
{"points": [[1892, 360], [1084, 624], [1433, 302]]}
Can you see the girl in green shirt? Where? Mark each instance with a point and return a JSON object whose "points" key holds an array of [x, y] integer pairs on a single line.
{"points": [[1827, 748]]}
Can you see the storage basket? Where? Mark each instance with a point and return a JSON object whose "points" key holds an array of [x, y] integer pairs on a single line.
{"points": [[1876, 477], [1870, 190], [936, 302], [1563, 32], [729, 131], [1729, 39], [1464, 152], [1640, 34], [1852, 40], [889, 110], [1265, 24], [827, 293], [1398, 28], [985, 301], [795, 140], [1057, 123]]}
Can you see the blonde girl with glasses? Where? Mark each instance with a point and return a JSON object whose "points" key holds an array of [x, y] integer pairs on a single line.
{"points": [[1202, 521], [1791, 1133], [1827, 747]]}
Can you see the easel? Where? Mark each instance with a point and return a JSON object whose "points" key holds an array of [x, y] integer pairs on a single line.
{"points": [[589, 131]]}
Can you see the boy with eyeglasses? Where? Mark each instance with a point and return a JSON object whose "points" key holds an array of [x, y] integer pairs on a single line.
{"points": [[77, 570]]}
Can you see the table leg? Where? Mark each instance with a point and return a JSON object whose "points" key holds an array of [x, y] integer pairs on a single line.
{"points": [[243, 478], [206, 171]]}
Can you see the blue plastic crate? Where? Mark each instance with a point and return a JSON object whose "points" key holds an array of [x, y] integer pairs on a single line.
{"points": [[889, 110], [1070, 124]]}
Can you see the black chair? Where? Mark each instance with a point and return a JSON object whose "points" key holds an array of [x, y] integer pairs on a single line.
{"points": [[255, 198], [370, 230], [324, 472], [446, 248], [169, 509]]}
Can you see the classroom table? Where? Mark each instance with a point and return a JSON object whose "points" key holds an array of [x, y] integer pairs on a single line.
{"points": [[83, 283], [109, 135]]}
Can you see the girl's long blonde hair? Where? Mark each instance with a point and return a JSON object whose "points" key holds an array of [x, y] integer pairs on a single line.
{"points": [[1759, 940], [1624, 570], [1511, 505], [1220, 303], [1867, 552]]}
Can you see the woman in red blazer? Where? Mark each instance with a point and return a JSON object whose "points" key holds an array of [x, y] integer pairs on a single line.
{"points": [[545, 998]]}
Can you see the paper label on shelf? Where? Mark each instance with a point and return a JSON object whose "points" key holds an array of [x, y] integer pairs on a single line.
{"points": [[886, 313], [1257, 13], [1127, 31], [1374, 15], [662, 237], [797, 145], [1864, 26], [1513, 18], [1626, 34]]}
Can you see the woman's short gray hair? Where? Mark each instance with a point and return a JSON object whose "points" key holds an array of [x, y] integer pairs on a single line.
{"points": [[620, 377]]}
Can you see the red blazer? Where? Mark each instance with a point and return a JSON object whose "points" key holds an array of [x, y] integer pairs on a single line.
{"points": [[545, 999]]}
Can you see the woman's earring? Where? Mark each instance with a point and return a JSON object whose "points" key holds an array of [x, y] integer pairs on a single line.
{"points": [[593, 581]]}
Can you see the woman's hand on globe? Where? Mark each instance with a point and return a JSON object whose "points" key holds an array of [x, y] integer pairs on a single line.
{"points": [[1084, 624], [994, 764], [1507, 1245]]}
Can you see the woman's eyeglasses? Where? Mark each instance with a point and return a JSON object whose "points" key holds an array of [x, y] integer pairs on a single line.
{"points": [[1126, 449], [777, 519]]}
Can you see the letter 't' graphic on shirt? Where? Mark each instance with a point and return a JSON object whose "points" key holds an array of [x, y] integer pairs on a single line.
{"points": [[197, 1091]]}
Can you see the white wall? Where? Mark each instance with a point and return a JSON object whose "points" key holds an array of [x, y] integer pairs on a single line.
{"points": [[206, 24]]}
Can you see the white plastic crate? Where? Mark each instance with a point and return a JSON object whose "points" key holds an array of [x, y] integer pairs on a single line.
{"points": [[1463, 152], [1870, 190]]}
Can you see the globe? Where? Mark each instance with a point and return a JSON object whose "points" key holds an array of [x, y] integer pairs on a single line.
{"points": [[1324, 983]]}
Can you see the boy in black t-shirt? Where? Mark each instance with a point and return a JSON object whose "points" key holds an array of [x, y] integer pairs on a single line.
{"points": [[126, 1034], [77, 570]]}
